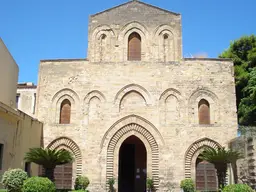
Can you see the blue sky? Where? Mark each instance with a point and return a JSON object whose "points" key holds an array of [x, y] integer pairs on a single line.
{"points": [[48, 29]]}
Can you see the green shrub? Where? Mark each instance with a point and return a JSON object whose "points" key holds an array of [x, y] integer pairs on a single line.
{"points": [[81, 183], [36, 184], [111, 183], [150, 184], [80, 190], [187, 185], [238, 188], [13, 179]]}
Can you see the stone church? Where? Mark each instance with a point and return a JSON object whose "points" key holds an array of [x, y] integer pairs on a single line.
{"points": [[135, 108]]}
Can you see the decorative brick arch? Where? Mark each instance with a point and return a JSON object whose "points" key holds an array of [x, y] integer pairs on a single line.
{"points": [[194, 150], [132, 87], [66, 143], [121, 130]]}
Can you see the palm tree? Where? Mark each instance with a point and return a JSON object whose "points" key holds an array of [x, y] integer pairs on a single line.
{"points": [[49, 159], [220, 158]]}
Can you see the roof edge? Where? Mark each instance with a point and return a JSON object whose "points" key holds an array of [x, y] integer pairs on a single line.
{"points": [[153, 6], [49, 60], [207, 59]]}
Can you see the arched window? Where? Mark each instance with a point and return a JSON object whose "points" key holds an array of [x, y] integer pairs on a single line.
{"points": [[134, 47], [103, 47], [166, 46], [65, 112], [204, 112]]}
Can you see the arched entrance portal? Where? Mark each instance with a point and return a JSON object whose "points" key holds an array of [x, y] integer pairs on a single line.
{"points": [[132, 166]]}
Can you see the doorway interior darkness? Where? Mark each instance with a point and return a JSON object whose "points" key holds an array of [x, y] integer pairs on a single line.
{"points": [[132, 166]]}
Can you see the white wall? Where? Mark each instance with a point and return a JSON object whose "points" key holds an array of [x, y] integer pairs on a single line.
{"points": [[8, 76]]}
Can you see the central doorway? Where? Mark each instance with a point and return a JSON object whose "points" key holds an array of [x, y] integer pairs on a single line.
{"points": [[132, 166]]}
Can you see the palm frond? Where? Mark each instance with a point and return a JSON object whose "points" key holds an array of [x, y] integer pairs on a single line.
{"points": [[48, 158], [221, 155]]}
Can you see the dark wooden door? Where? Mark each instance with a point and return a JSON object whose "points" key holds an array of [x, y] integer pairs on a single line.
{"points": [[63, 176], [206, 177]]}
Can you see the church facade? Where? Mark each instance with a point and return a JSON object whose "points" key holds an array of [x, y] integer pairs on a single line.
{"points": [[135, 109]]}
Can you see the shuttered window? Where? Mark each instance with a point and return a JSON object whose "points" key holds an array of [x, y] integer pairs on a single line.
{"points": [[134, 47], [204, 112], [65, 112]]}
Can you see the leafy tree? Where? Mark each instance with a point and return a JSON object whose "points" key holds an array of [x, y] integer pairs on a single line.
{"points": [[243, 53], [49, 159], [220, 158], [247, 106]]}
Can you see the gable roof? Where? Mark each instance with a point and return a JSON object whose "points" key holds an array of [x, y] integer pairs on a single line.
{"points": [[138, 2]]}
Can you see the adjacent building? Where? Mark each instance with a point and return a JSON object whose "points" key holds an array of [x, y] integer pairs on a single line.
{"points": [[18, 131], [135, 108]]}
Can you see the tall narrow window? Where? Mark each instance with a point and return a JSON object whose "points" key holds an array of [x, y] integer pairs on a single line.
{"points": [[134, 47], [1, 155], [65, 112], [204, 112], [17, 100], [34, 104], [103, 46], [166, 46]]}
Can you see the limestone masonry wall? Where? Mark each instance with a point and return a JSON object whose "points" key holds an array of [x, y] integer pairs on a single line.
{"points": [[102, 94]]}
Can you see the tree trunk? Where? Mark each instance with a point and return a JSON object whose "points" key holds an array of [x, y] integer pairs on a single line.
{"points": [[234, 168], [49, 173], [221, 174]]}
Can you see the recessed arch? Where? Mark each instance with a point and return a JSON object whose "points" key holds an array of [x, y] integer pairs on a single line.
{"points": [[146, 137], [93, 104], [170, 110], [63, 92], [167, 46], [101, 47], [193, 152], [58, 98], [123, 38], [132, 87], [66, 143], [122, 129], [211, 98], [94, 93]]}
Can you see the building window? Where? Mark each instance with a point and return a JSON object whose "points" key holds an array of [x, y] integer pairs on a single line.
{"points": [[103, 46], [166, 46], [134, 47], [204, 112], [34, 104], [65, 112], [17, 100], [28, 168], [1, 155]]}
